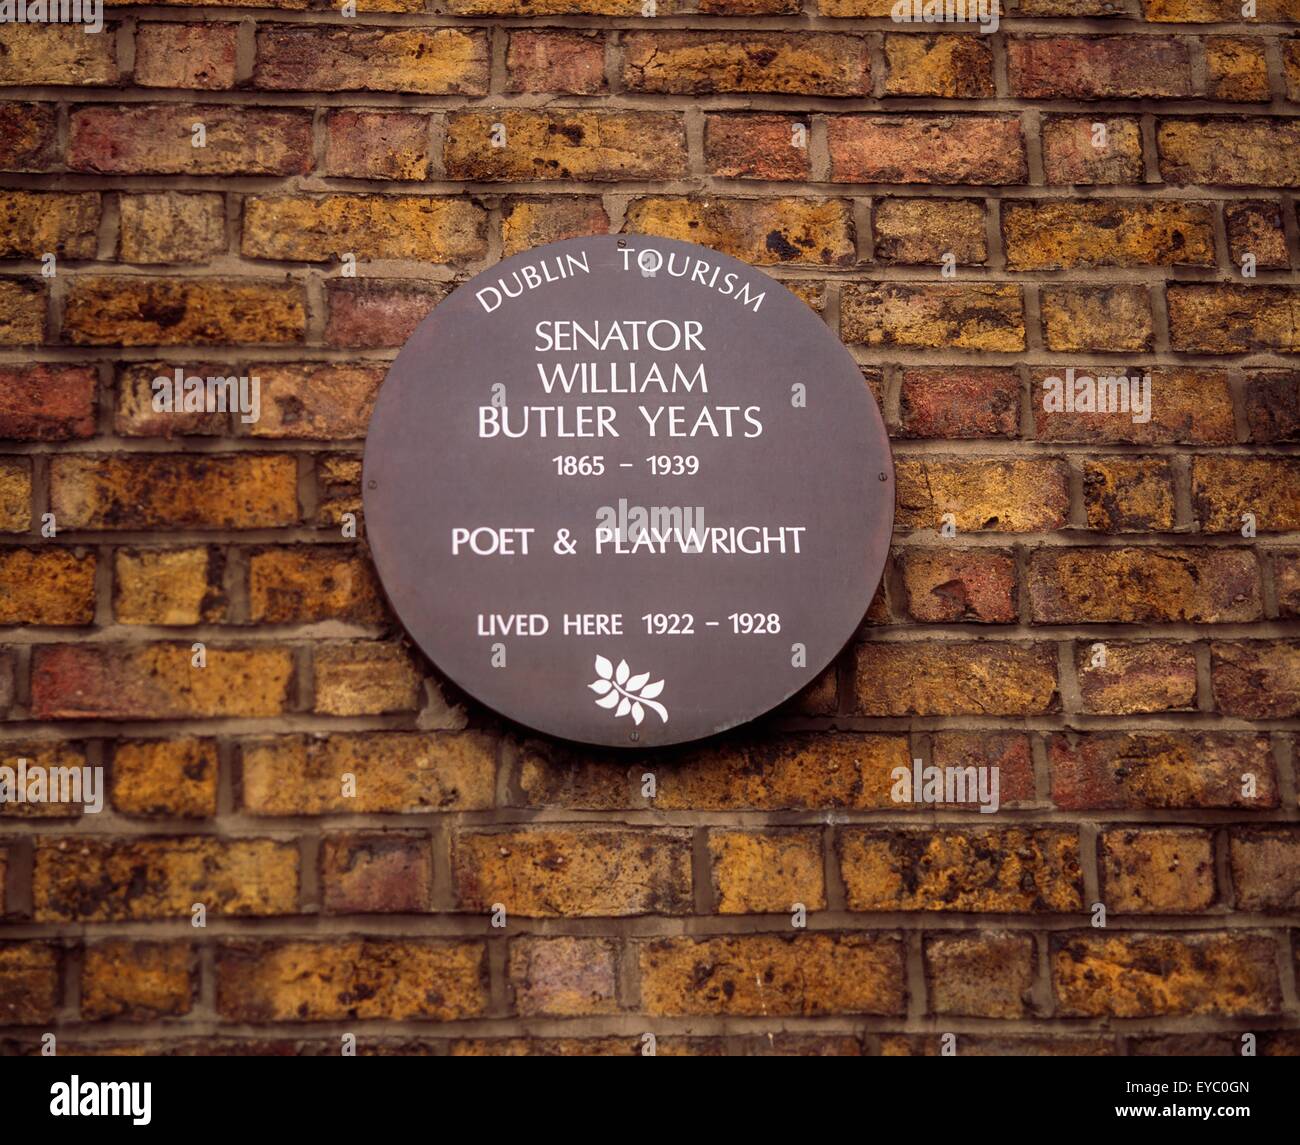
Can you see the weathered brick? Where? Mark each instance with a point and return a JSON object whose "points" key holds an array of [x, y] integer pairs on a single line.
{"points": [[574, 871], [1217, 11], [22, 312], [184, 491], [53, 586], [394, 773], [95, 879], [362, 678], [766, 872], [758, 231], [165, 778], [1063, 235], [527, 222], [942, 66], [1009, 752], [138, 981], [298, 980], [1256, 679], [787, 63], [432, 61], [994, 869], [322, 228], [1160, 770], [157, 139], [905, 678], [1099, 67], [757, 146], [169, 586], [555, 7], [59, 760], [170, 227], [988, 975], [15, 494], [36, 223], [955, 316], [772, 975], [1152, 975], [321, 401], [1224, 152], [603, 146], [796, 772], [1286, 579], [564, 976], [374, 872], [52, 53], [304, 584], [1265, 864], [365, 313], [1272, 399], [1188, 404], [47, 402], [1102, 318], [200, 56], [28, 139], [930, 231], [1255, 230], [29, 983], [1143, 586], [139, 311], [1156, 870], [1236, 70], [950, 586], [6, 680], [1128, 495], [1070, 154], [1224, 489], [1019, 495], [135, 416], [959, 401], [1224, 319], [338, 488], [1291, 67], [572, 63], [946, 149], [158, 682], [378, 145], [1119, 677]]}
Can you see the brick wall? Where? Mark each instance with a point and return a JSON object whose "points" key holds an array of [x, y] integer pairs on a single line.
{"points": [[327, 136]]}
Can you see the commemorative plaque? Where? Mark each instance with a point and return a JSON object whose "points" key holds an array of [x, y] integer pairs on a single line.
{"points": [[627, 491]]}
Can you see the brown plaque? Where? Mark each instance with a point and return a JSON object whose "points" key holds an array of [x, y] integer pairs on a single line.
{"points": [[627, 491]]}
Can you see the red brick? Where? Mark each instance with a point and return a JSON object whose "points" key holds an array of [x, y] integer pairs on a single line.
{"points": [[376, 872], [1104, 770], [946, 149], [28, 140], [47, 402], [318, 401], [1070, 156], [572, 63], [1256, 679], [378, 145], [155, 139], [158, 682], [563, 976], [1099, 67], [1272, 400], [1009, 752], [369, 313], [185, 55], [431, 61], [960, 401], [757, 146], [949, 586], [1137, 676]]}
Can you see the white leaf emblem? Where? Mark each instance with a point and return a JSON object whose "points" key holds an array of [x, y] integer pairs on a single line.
{"points": [[627, 694]]}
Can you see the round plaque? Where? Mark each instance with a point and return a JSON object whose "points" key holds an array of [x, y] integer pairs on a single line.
{"points": [[627, 491]]}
